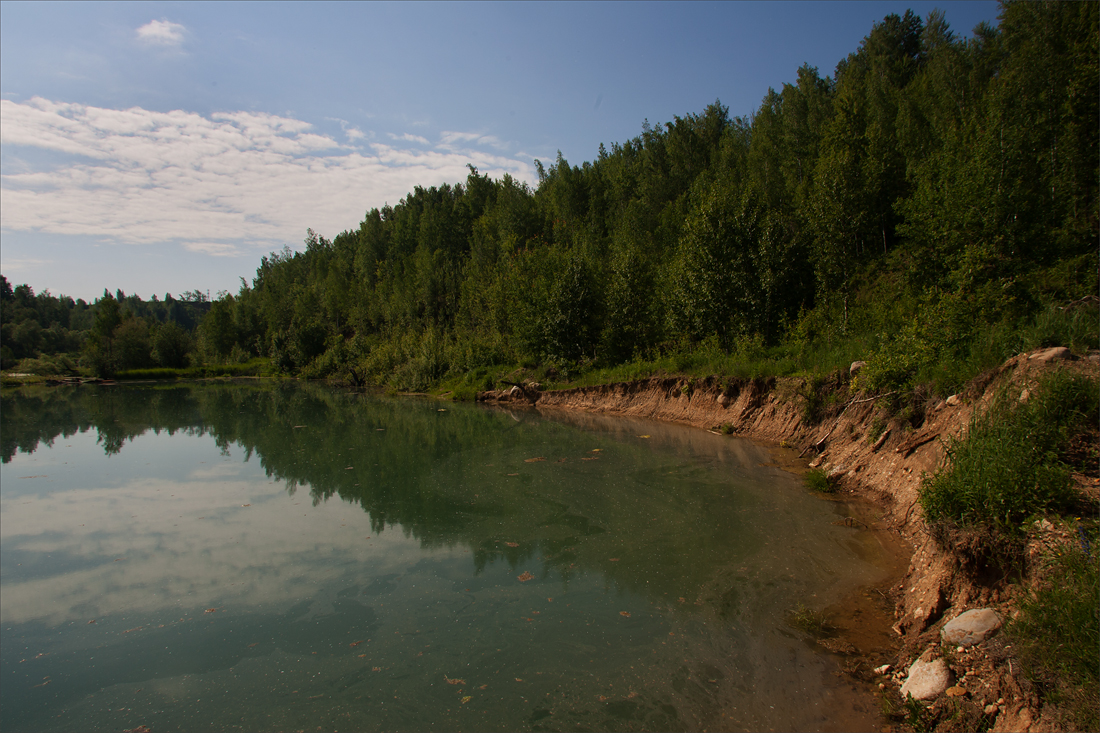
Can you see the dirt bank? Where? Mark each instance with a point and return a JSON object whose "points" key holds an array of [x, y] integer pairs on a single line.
{"points": [[874, 456]]}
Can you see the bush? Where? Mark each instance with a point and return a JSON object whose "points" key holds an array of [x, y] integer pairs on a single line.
{"points": [[818, 480], [1058, 632], [1009, 465]]}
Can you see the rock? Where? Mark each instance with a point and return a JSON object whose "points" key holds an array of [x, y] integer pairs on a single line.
{"points": [[928, 678], [1025, 395], [971, 627], [1094, 355], [990, 709], [817, 461], [883, 669], [955, 691], [1056, 353], [514, 391], [836, 471], [954, 400], [856, 366], [723, 400]]}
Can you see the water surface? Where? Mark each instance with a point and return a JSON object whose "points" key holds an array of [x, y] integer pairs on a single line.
{"points": [[273, 557]]}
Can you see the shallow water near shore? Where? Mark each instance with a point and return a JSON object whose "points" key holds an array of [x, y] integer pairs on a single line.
{"points": [[284, 557]]}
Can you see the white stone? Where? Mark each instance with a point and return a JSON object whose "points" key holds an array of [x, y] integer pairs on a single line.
{"points": [[927, 679], [1055, 353], [954, 400], [971, 627]]}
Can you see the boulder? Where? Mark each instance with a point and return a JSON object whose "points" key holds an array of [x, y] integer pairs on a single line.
{"points": [[1055, 353], [971, 627], [954, 400], [723, 400], [928, 678], [856, 366]]}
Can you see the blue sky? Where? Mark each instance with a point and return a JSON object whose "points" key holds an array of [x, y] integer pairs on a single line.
{"points": [[163, 147]]}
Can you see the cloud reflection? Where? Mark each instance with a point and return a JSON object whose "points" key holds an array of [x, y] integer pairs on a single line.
{"points": [[223, 535]]}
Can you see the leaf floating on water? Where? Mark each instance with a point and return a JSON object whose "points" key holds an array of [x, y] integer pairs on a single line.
{"points": [[375, 669], [525, 577], [595, 450], [519, 679], [455, 681], [140, 729], [92, 621], [467, 699], [613, 559], [643, 436], [441, 410], [533, 460], [513, 474], [483, 687], [512, 544], [362, 655], [355, 643], [625, 614], [246, 505], [590, 458], [298, 426], [210, 610], [602, 698], [683, 600]]}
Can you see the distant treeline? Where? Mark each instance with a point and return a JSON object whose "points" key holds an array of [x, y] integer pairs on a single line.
{"points": [[58, 334], [933, 203]]}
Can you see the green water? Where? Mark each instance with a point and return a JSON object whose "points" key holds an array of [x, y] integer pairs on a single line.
{"points": [[301, 558]]}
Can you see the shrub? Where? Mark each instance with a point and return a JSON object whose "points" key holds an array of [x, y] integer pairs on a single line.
{"points": [[818, 480], [1009, 465]]}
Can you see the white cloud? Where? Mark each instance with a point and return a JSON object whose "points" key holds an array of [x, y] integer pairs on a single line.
{"points": [[408, 138], [139, 176], [451, 140], [161, 33], [23, 263], [214, 249]]}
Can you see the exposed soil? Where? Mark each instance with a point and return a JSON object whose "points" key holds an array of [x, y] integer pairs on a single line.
{"points": [[879, 459]]}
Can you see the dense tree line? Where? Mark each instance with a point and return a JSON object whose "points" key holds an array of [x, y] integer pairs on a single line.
{"points": [[929, 200], [54, 335], [951, 180]]}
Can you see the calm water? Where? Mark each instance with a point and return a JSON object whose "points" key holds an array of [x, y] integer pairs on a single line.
{"points": [[296, 558]]}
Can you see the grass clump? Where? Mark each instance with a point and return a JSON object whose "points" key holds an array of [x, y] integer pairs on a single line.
{"points": [[809, 621], [817, 480], [1010, 464], [1057, 633]]}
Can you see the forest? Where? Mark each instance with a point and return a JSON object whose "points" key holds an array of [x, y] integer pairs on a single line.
{"points": [[929, 208]]}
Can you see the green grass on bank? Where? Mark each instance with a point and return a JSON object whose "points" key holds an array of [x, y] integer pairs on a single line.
{"points": [[253, 368], [1011, 464], [1057, 633]]}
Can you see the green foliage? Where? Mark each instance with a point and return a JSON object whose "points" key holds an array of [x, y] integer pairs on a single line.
{"points": [[817, 480], [1057, 631], [809, 621], [1009, 465]]}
